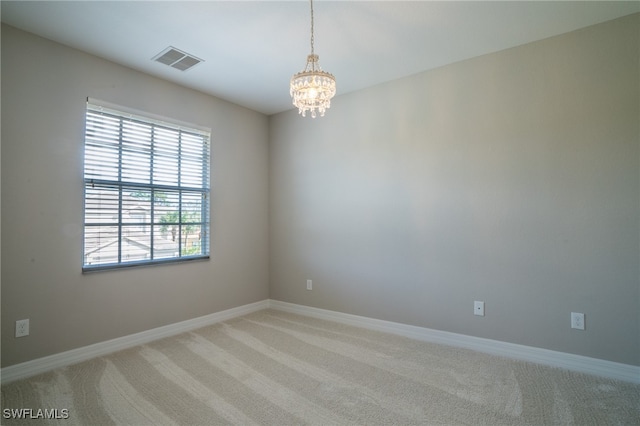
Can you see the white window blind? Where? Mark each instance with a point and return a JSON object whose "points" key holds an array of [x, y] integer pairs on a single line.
{"points": [[146, 190]]}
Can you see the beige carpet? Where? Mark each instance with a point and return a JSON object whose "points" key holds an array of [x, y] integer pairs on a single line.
{"points": [[275, 368]]}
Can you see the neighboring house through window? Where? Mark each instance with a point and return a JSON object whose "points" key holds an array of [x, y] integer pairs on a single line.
{"points": [[146, 189]]}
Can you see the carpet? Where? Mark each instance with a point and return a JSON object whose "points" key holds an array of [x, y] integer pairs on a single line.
{"points": [[276, 368]]}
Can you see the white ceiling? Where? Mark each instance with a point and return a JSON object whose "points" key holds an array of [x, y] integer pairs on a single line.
{"points": [[252, 48]]}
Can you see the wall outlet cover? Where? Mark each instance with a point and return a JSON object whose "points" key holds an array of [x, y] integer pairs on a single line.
{"points": [[577, 320], [22, 328]]}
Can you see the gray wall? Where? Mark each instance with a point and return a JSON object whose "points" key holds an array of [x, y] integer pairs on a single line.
{"points": [[511, 178], [44, 89]]}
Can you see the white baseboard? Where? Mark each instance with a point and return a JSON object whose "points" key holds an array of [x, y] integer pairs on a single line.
{"points": [[572, 362], [577, 363], [63, 359]]}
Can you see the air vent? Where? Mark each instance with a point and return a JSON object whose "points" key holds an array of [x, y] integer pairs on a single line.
{"points": [[177, 59]]}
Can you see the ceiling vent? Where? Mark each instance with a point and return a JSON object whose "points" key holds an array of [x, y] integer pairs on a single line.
{"points": [[177, 59]]}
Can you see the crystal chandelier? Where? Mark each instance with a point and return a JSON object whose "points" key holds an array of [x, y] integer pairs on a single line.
{"points": [[312, 88]]}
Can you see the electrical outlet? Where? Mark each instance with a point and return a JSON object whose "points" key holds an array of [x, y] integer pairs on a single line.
{"points": [[577, 320], [309, 285], [22, 328], [478, 308]]}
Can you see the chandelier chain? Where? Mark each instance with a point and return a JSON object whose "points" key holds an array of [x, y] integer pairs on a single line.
{"points": [[312, 52]]}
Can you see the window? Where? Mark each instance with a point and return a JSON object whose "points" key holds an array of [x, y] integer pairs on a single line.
{"points": [[146, 190]]}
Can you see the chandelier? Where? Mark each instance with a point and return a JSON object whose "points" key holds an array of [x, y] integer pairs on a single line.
{"points": [[312, 89]]}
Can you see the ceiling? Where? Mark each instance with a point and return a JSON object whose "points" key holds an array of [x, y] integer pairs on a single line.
{"points": [[250, 49]]}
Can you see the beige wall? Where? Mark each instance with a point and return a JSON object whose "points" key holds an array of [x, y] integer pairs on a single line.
{"points": [[511, 178], [44, 89]]}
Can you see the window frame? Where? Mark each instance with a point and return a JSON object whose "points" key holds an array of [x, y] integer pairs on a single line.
{"points": [[169, 197]]}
